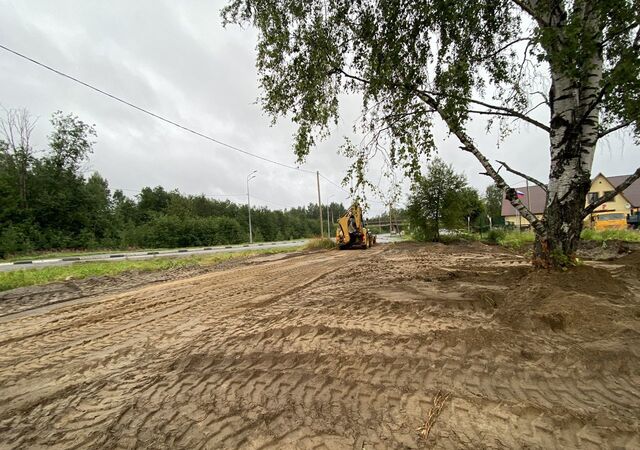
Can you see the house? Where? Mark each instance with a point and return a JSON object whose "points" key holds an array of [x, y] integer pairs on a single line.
{"points": [[628, 202]]}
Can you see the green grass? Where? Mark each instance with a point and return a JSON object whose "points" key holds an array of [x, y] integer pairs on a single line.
{"points": [[607, 235], [320, 243], [516, 239], [30, 277]]}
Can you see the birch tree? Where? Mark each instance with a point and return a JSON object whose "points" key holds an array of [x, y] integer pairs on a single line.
{"points": [[417, 63], [16, 128]]}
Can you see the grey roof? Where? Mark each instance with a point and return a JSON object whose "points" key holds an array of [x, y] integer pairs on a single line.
{"points": [[537, 196], [632, 193], [535, 200]]}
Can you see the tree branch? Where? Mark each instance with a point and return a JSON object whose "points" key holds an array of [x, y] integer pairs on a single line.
{"points": [[511, 112], [500, 109], [611, 195], [529, 7], [616, 128], [501, 49], [525, 176], [469, 146]]}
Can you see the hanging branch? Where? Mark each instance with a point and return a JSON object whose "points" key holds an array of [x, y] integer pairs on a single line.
{"points": [[467, 143], [495, 110]]}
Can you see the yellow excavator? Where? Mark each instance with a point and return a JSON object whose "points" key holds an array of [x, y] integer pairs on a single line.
{"points": [[351, 232]]}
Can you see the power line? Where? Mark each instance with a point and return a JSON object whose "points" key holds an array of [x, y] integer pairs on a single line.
{"points": [[150, 113], [335, 184], [169, 121]]}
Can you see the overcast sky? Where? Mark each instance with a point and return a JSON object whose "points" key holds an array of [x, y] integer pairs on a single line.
{"points": [[176, 59]]}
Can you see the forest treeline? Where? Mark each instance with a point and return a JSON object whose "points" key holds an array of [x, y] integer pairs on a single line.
{"points": [[47, 203]]}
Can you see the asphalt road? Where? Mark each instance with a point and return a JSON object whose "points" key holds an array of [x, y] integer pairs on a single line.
{"points": [[119, 256]]}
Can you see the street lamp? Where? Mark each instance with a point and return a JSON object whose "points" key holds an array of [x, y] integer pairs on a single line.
{"points": [[251, 176]]}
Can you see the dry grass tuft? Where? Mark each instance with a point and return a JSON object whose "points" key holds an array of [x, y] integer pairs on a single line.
{"points": [[438, 403]]}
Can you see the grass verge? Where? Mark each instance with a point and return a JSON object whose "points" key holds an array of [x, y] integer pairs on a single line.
{"points": [[320, 243], [608, 235], [64, 253], [30, 277], [518, 240]]}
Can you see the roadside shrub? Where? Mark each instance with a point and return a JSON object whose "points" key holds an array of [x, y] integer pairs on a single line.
{"points": [[320, 243], [454, 236], [517, 239], [173, 231], [495, 235], [15, 239]]}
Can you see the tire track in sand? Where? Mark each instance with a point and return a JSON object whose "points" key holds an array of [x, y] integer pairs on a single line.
{"points": [[333, 350]]}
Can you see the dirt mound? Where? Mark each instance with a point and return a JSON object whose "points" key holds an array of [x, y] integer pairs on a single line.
{"points": [[605, 250], [583, 300]]}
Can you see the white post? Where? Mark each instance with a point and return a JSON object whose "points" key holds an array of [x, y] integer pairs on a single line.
{"points": [[250, 177], [328, 223]]}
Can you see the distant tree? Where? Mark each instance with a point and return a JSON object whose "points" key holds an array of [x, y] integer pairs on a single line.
{"points": [[154, 200], [439, 199], [418, 63], [71, 142], [59, 195], [471, 206], [493, 202], [97, 206], [16, 151]]}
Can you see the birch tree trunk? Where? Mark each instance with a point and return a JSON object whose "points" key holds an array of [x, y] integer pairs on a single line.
{"points": [[573, 137]]}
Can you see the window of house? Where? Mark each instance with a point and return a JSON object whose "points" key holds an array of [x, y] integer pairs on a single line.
{"points": [[592, 197], [606, 192]]}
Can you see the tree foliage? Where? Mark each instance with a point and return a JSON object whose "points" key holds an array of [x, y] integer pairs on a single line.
{"points": [[441, 198], [493, 201]]}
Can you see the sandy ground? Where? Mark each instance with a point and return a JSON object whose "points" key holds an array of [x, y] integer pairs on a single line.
{"points": [[399, 346]]}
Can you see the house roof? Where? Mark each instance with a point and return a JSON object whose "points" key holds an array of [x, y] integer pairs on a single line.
{"points": [[535, 200], [537, 196], [632, 193]]}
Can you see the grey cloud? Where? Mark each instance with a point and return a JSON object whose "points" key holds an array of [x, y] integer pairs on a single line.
{"points": [[176, 59]]}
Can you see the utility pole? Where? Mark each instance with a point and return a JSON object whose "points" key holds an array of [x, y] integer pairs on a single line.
{"points": [[390, 229], [251, 176], [320, 205]]}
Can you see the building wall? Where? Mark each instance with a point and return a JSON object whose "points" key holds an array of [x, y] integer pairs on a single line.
{"points": [[618, 204]]}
